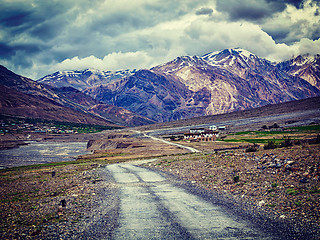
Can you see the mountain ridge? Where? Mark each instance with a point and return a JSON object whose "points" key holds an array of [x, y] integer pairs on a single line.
{"points": [[189, 86], [218, 82], [24, 97], [83, 79]]}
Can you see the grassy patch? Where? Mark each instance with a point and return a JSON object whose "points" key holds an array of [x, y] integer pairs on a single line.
{"points": [[272, 205], [253, 140], [307, 128], [292, 191]]}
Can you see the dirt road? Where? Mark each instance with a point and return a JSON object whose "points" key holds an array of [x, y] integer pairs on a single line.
{"points": [[191, 149], [152, 207]]}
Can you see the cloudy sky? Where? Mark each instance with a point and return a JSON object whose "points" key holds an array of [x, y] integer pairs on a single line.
{"points": [[39, 37]]}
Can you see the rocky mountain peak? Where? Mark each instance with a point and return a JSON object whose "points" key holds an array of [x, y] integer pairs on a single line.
{"points": [[84, 78], [234, 57], [306, 59], [305, 66], [180, 63], [239, 61]]}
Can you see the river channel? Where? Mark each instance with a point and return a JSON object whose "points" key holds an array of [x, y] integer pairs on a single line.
{"points": [[41, 152]]}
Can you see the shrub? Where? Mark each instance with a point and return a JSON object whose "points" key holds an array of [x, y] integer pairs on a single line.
{"points": [[252, 148], [274, 126], [287, 142], [271, 145], [314, 190], [236, 178]]}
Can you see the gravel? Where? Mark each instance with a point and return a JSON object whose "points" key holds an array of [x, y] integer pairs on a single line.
{"points": [[284, 183]]}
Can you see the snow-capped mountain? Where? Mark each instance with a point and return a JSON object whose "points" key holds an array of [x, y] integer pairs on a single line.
{"points": [[306, 67], [20, 96], [230, 56], [218, 82], [83, 79]]}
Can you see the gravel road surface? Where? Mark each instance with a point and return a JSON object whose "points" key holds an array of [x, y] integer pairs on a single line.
{"points": [[153, 207]]}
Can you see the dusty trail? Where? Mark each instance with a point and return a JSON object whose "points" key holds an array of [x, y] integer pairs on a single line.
{"points": [[191, 149], [153, 208]]}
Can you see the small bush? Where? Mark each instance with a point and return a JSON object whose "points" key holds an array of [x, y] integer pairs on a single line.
{"points": [[272, 205], [287, 142], [270, 145], [252, 148], [274, 126], [236, 178]]}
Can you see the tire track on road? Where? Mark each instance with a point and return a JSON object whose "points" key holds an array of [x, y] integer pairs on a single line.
{"points": [[153, 208]]}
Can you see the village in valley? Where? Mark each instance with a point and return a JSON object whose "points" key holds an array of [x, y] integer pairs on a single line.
{"points": [[204, 134], [30, 126]]}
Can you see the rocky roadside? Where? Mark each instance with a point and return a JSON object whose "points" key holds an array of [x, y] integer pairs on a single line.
{"points": [[284, 183], [56, 202]]}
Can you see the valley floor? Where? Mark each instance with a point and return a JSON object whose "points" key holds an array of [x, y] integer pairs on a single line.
{"points": [[283, 183]]}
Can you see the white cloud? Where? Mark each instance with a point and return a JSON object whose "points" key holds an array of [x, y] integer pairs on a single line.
{"points": [[293, 24], [305, 46], [113, 61]]}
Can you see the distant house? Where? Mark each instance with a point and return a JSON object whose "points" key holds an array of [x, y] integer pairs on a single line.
{"points": [[201, 135], [222, 128], [213, 127], [197, 130]]}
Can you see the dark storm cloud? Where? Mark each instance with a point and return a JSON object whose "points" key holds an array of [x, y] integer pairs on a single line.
{"points": [[278, 34], [10, 51], [23, 15], [296, 3], [254, 10], [6, 51], [45, 31], [40, 36], [16, 19], [248, 9], [315, 34]]}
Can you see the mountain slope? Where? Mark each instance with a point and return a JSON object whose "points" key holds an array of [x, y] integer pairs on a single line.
{"points": [[237, 80], [83, 79], [25, 97], [306, 67], [77, 100], [154, 96], [219, 82]]}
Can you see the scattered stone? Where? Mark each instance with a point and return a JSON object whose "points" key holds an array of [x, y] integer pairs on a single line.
{"points": [[304, 180], [261, 203]]}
